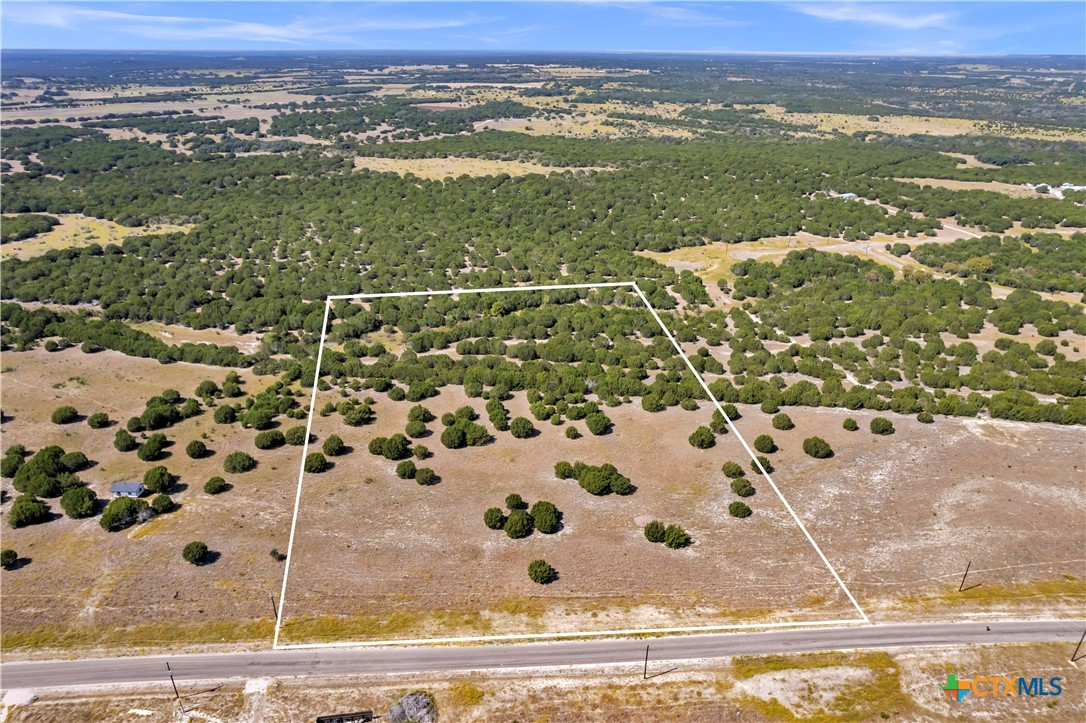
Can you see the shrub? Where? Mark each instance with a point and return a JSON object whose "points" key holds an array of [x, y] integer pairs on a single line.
{"points": [[732, 469], [225, 414], [295, 436], [8, 557], [521, 428], [518, 524], [315, 463], [415, 429], [215, 485], [421, 451], [770, 407], [64, 415], [123, 441], [419, 413], [782, 422], [98, 420], [731, 411], [494, 518], [122, 512], [739, 509], [598, 423], [765, 444], [238, 462], [817, 447], [333, 446], [925, 418], [702, 438], [134, 425], [276, 555], [152, 449], [563, 470], [603, 480], [73, 461], [572, 433], [157, 479], [406, 469], [448, 419], [850, 424], [675, 537], [546, 517], [10, 465], [196, 449], [454, 438], [79, 502], [541, 572], [882, 425], [654, 531], [742, 487], [194, 552], [719, 425], [514, 502], [269, 439], [425, 476], [27, 510], [766, 464], [162, 504]]}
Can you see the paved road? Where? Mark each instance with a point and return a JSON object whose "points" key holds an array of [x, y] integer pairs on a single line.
{"points": [[394, 660]]}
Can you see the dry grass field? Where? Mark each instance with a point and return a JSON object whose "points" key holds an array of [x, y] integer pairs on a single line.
{"points": [[76, 230], [452, 167]]}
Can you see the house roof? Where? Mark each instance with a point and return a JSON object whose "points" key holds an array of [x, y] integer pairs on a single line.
{"points": [[126, 487]]}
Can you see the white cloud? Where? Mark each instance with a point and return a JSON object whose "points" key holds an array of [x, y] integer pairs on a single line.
{"points": [[172, 27], [685, 15], [871, 14]]}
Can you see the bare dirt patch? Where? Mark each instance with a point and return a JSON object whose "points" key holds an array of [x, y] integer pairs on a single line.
{"points": [[1008, 189], [77, 230], [441, 168]]}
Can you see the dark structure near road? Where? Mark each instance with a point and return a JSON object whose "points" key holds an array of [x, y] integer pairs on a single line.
{"points": [[362, 717]]}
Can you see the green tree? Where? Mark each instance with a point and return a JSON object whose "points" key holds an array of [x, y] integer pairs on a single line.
{"points": [[742, 487], [27, 510], [315, 463], [98, 420], [419, 413], [572, 433], [123, 512], [426, 476], [196, 449], [10, 465], [494, 518], [850, 424], [8, 557], [598, 423], [225, 414], [238, 462], [782, 422], [817, 447], [925, 418], [415, 429], [453, 437], [515, 502], [882, 425], [215, 485], [764, 462], [675, 537], [563, 470], [518, 524], [123, 441], [654, 531], [732, 469], [194, 552], [521, 428], [64, 415], [157, 479], [765, 444], [162, 504], [152, 449], [295, 436], [546, 517], [269, 439], [541, 572], [406, 469], [702, 438], [333, 446], [421, 451], [79, 502], [739, 509]]}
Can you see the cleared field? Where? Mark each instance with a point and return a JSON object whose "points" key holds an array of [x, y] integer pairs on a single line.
{"points": [[410, 559], [440, 168], [76, 230], [1009, 189], [83, 587], [175, 335]]}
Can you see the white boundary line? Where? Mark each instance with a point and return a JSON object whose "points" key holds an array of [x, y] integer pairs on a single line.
{"points": [[531, 636]]}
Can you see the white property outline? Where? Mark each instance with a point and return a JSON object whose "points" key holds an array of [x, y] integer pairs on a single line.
{"points": [[542, 636]]}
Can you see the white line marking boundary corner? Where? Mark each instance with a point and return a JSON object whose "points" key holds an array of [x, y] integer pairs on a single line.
{"points": [[530, 636]]}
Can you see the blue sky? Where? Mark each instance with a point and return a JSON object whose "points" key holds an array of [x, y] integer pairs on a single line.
{"points": [[804, 26]]}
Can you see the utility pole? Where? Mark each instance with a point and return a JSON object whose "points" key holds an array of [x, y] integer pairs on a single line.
{"points": [[176, 694], [645, 675], [962, 585], [1074, 656]]}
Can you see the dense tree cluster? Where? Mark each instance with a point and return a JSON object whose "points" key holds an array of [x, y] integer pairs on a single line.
{"points": [[597, 480]]}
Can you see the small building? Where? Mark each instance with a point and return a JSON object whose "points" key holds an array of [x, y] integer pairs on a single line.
{"points": [[848, 196], [127, 489]]}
